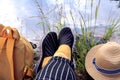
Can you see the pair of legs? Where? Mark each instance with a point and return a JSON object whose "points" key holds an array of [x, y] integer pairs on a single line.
{"points": [[56, 62]]}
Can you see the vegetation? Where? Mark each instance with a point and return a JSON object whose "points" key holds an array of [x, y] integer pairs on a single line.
{"points": [[87, 40]]}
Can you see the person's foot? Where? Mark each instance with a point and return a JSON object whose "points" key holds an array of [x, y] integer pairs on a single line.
{"points": [[66, 37], [49, 46]]}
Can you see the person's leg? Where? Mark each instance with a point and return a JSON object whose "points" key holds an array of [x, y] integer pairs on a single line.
{"points": [[65, 41], [49, 46], [65, 37], [60, 66]]}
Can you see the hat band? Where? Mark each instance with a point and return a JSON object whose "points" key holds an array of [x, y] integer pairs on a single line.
{"points": [[115, 71]]}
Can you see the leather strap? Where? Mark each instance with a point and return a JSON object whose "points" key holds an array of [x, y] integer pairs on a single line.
{"points": [[28, 72]]}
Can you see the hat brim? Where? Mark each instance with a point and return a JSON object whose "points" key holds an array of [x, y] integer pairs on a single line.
{"points": [[92, 71]]}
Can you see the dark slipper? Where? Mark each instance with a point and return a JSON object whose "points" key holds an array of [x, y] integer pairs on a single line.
{"points": [[49, 46], [66, 37]]}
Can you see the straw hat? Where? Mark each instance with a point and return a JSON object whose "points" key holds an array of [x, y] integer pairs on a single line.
{"points": [[103, 61]]}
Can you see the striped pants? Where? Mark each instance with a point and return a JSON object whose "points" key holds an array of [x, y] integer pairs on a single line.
{"points": [[57, 69]]}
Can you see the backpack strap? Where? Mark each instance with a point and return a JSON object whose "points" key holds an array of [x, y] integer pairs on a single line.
{"points": [[2, 42], [7, 34]]}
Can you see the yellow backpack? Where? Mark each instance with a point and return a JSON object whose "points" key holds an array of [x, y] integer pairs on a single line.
{"points": [[16, 55]]}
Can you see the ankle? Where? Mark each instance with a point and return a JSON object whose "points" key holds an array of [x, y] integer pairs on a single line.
{"points": [[63, 51], [46, 60]]}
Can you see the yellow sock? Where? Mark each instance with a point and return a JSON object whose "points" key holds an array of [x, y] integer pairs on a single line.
{"points": [[45, 61], [64, 51]]}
